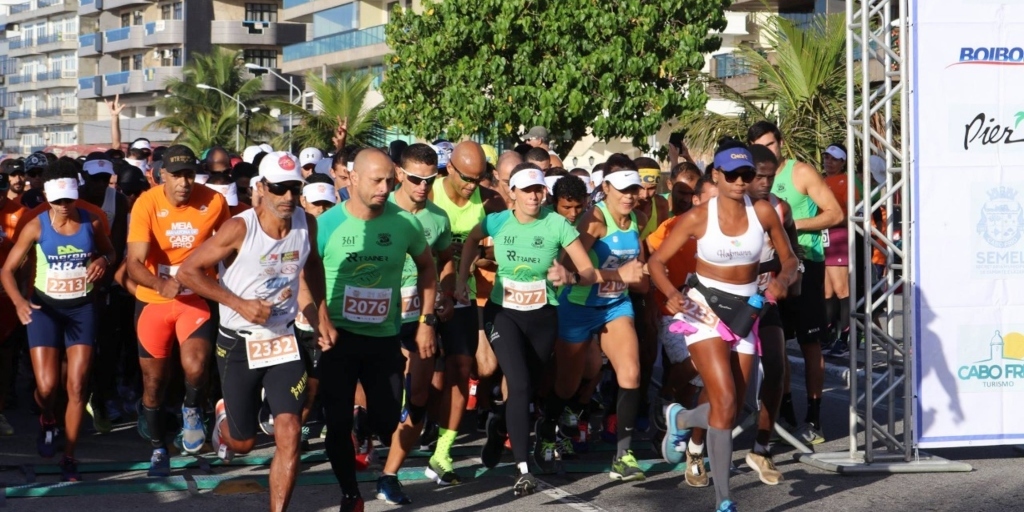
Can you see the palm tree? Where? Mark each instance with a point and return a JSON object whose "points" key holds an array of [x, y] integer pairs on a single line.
{"points": [[342, 95], [801, 87], [205, 118]]}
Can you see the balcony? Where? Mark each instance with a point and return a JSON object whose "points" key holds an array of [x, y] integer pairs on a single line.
{"points": [[89, 7], [110, 5], [300, 10], [124, 38], [22, 46], [57, 78], [39, 9], [356, 48], [738, 23], [155, 79], [90, 87], [123, 83], [19, 83], [56, 42], [256, 33], [90, 45], [48, 116], [164, 32]]}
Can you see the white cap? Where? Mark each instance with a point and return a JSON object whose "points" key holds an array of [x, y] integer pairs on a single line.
{"points": [[836, 152], [63, 188], [94, 167], [267, 148], [314, 192], [527, 178], [249, 153], [141, 144], [323, 166], [202, 178], [280, 166], [877, 164], [229, 191], [310, 156], [550, 182], [597, 177], [588, 182], [623, 179]]}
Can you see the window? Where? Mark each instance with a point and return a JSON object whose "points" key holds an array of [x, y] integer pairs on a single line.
{"points": [[126, 20], [265, 58], [150, 111], [338, 19], [137, 18], [126, 64], [178, 11], [137, 61], [171, 57], [261, 12]]}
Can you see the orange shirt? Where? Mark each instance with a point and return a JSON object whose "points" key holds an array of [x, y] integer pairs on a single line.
{"points": [[682, 264], [11, 215], [837, 184], [173, 232]]}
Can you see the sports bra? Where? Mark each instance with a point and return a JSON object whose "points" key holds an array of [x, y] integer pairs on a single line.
{"points": [[727, 251]]}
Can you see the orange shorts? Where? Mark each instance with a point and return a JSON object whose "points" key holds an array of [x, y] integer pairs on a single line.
{"points": [[157, 325]]}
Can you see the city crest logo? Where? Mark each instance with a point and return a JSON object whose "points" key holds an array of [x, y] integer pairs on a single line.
{"points": [[1002, 218]]}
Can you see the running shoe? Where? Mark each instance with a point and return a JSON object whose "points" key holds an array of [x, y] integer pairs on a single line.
{"points": [[764, 466], [351, 503], [564, 447], [440, 470], [217, 438], [304, 438], [5, 428], [142, 426], [69, 470], [727, 506], [100, 422], [192, 433], [525, 485], [810, 434], [390, 490], [839, 349], [568, 421], [490, 455], [159, 463], [46, 443], [674, 443], [696, 473], [544, 452], [626, 468]]}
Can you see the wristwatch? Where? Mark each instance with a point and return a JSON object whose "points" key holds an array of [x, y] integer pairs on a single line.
{"points": [[430, 319], [800, 267]]}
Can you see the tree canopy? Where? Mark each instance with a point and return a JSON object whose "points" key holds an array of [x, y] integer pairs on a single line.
{"points": [[490, 67]]}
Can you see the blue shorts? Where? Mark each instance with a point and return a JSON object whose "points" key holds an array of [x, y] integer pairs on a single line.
{"points": [[53, 327], [577, 324]]}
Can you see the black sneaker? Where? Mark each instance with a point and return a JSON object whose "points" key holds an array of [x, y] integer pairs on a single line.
{"points": [[525, 485], [840, 349], [389, 489], [544, 451], [490, 455], [482, 417], [69, 470], [429, 436]]}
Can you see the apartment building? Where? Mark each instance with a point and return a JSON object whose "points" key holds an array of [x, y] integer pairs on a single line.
{"points": [[39, 66], [131, 47]]}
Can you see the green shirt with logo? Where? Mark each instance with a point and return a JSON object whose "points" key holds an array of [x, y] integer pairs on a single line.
{"points": [[524, 253], [363, 263], [438, 232]]}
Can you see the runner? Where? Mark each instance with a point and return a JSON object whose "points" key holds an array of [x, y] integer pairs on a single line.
{"points": [[14, 168], [259, 255], [72, 252], [466, 204], [609, 233], [11, 215], [506, 162], [222, 184], [571, 198], [363, 243], [539, 157], [522, 307], [416, 177], [722, 341], [308, 159], [218, 161], [319, 194], [168, 223], [814, 209], [837, 246], [34, 166]]}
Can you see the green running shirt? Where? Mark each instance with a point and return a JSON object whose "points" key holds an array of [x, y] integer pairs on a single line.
{"points": [[803, 208], [438, 233]]}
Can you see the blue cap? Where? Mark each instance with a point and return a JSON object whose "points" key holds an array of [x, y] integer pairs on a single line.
{"points": [[729, 160]]}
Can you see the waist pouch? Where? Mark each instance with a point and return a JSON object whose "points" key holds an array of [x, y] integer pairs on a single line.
{"points": [[731, 309]]}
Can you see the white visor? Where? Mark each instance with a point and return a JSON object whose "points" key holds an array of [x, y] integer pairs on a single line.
{"points": [[622, 180], [63, 188], [597, 177], [527, 178], [836, 152], [550, 182], [588, 182], [229, 191], [314, 192], [202, 178]]}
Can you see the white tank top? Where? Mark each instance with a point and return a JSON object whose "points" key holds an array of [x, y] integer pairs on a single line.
{"points": [[731, 251], [110, 206], [267, 269]]}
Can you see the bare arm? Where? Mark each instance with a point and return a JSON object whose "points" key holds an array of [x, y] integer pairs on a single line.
{"points": [[469, 255], [137, 271], [790, 226], [809, 182], [28, 236], [780, 239], [222, 246], [115, 108]]}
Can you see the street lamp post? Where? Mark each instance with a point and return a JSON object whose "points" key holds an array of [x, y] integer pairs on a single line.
{"points": [[291, 88], [238, 110]]}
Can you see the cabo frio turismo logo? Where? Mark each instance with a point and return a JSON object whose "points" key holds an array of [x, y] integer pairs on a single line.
{"points": [[1002, 218], [1002, 367]]}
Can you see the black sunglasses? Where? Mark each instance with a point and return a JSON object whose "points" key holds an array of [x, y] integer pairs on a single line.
{"points": [[463, 177], [747, 176], [279, 189], [35, 172], [416, 180]]}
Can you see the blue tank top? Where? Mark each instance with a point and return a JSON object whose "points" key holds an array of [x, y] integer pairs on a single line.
{"points": [[62, 262], [611, 251]]}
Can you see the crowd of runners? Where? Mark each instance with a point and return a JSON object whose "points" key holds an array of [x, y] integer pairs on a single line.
{"points": [[372, 296]]}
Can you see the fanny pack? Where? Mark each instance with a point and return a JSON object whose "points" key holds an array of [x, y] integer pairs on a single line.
{"points": [[735, 310]]}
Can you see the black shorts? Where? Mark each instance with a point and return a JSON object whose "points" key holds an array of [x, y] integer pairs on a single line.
{"points": [[804, 316], [284, 384], [407, 335], [311, 351], [771, 316], [460, 335]]}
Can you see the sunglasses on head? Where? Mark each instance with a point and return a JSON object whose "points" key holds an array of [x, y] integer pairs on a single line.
{"points": [[416, 180], [747, 176], [463, 177], [279, 189]]}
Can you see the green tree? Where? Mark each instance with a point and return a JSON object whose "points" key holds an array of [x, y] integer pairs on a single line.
{"points": [[342, 96], [801, 87], [205, 118], [618, 69]]}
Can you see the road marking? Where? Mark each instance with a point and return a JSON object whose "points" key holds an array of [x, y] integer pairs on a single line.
{"points": [[567, 498]]}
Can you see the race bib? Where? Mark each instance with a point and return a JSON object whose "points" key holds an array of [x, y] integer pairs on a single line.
{"points": [[762, 281], [66, 284], [525, 296], [611, 290], [697, 313], [824, 238], [269, 347], [366, 305], [302, 324], [167, 272], [410, 302]]}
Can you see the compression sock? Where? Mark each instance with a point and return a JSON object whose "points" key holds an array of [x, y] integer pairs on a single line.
{"points": [[191, 396], [693, 418], [154, 419], [445, 440], [720, 453], [831, 307], [814, 411], [786, 411], [844, 320], [626, 404]]}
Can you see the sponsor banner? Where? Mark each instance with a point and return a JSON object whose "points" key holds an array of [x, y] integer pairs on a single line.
{"points": [[968, 212]]}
